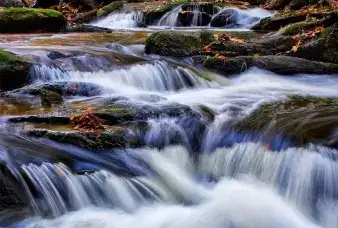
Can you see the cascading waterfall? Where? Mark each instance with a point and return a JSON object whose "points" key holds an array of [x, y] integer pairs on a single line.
{"points": [[120, 20], [157, 76], [224, 204]]}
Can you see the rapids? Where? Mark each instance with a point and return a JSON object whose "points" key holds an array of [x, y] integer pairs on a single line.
{"points": [[191, 171]]}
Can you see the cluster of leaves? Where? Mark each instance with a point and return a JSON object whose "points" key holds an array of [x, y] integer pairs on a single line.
{"points": [[305, 36], [220, 39], [67, 9], [87, 122]]}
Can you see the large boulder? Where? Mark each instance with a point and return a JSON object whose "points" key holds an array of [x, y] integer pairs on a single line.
{"points": [[283, 65], [325, 48], [14, 71], [11, 3], [300, 113], [189, 18], [267, 46], [227, 17], [25, 20], [173, 43], [108, 9]]}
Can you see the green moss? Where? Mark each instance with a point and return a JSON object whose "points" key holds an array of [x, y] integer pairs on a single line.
{"points": [[173, 4], [299, 27], [30, 20], [173, 43], [7, 57], [106, 10]]}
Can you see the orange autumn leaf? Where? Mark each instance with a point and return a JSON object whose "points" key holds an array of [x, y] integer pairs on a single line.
{"points": [[295, 47], [238, 40], [207, 49]]}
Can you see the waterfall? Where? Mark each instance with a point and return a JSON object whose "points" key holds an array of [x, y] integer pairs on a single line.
{"points": [[120, 20], [136, 201], [157, 76]]}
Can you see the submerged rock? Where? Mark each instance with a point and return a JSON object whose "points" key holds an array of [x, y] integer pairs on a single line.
{"points": [[173, 43], [25, 20], [62, 88], [284, 65], [189, 18], [14, 71], [106, 10], [304, 119], [49, 98], [225, 18], [86, 28]]}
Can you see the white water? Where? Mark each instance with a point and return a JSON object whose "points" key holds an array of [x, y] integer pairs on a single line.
{"points": [[244, 203], [120, 20], [244, 18], [157, 76]]}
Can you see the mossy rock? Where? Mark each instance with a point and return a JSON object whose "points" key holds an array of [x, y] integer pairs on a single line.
{"points": [[108, 9], [14, 71], [173, 43], [25, 20], [304, 119], [284, 65], [280, 20], [324, 48]]}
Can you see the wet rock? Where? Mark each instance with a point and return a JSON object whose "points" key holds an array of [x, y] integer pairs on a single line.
{"points": [[106, 10], [25, 20], [86, 29], [295, 118], [309, 24], [225, 18], [49, 98], [10, 194], [11, 3], [62, 88], [283, 19], [172, 43], [324, 48], [92, 141], [112, 113], [150, 17], [188, 18], [202, 7], [268, 46], [284, 65], [14, 71], [56, 55]]}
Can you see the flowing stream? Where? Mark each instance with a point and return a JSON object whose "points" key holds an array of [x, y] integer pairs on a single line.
{"points": [[191, 171]]}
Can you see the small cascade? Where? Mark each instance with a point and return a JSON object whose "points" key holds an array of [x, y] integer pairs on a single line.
{"points": [[157, 76], [170, 18], [200, 15], [120, 20]]}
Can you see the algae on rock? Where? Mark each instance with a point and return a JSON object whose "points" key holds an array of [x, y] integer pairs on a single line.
{"points": [[14, 71], [25, 20]]}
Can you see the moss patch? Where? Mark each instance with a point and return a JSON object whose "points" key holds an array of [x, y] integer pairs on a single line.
{"points": [[20, 20], [106, 10]]}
